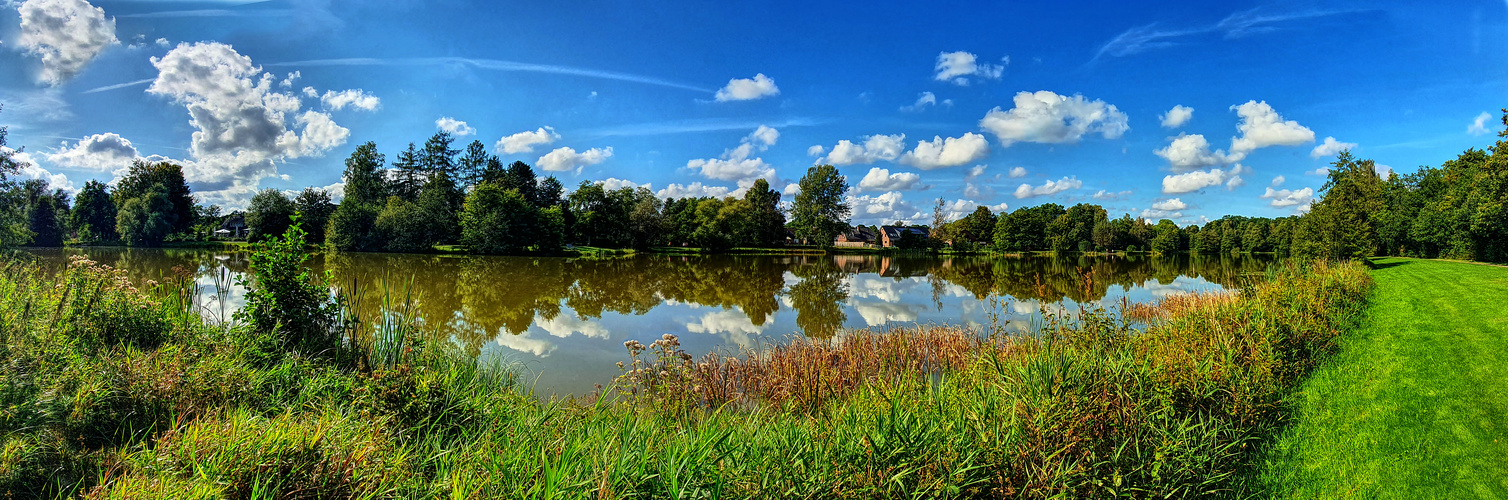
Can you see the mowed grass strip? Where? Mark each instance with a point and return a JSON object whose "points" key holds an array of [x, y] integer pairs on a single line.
{"points": [[1415, 404]]}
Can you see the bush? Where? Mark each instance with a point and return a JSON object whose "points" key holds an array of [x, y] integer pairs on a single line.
{"points": [[282, 297]]}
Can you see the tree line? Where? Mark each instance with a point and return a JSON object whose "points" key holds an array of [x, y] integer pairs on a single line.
{"points": [[434, 195]]}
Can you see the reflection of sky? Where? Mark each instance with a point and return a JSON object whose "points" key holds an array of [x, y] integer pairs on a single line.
{"points": [[569, 353]]}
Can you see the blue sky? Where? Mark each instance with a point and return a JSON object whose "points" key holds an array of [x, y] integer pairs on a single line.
{"points": [[1182, 110]]}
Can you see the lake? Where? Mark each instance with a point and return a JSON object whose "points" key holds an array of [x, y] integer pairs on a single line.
{"points": [[565, 320]]}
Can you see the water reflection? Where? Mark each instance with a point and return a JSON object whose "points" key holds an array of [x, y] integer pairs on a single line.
{"points": [[567, 318]]}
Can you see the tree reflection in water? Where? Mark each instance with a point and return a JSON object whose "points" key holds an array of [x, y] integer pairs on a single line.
{"points": [[474, 299]]}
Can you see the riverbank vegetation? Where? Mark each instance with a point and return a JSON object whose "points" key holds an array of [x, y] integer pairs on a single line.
{"points": [[111, 390]]}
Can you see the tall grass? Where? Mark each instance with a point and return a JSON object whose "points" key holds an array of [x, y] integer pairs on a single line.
{"points": [[111, 391]]}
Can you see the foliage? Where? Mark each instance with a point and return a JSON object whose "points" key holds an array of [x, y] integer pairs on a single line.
{"points": [[820, 212], [269, 214], [400, 227], [140, 179], [145, 220], [352, 226], [44, 223], [93, 212], [1025, 230], [498, 220], [285, 301], [315, 209]]}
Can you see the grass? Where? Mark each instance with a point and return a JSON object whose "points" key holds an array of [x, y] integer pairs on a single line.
{"points": [[1413, 406], [109, 391]]}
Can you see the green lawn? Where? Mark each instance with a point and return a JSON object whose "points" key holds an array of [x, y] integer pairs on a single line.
{"points": [[1415, 405]]}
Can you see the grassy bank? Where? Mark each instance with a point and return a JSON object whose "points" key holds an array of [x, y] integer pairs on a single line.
{"points": [[1413, 405], [109, 391]]}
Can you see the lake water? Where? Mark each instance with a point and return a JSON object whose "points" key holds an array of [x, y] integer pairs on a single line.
{"points": [[565, 320]]}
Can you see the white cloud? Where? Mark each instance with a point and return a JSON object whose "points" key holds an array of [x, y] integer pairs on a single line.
{"points": [[922, 101], [816, 150], [30, 168], [1278, 181], [243, 125], [455, 127], [1330, 147], [524, 142], [1048, 188], [102, 152], [1046, 117], [564, 325], [614, 184], [1018, 172], [1479, 125], [885, 207], [879, 179], [736, 164], [971, 188], [1261, 127], [1165, 209], [735, 322], [1109, 196], [355, 98], [949, 152], [65, 34], [956, 67], [792, 189], [1177, 116], [1200, 179], [1288, 198], [693, 190], [311, 92], [875, 148], [743, 89], [287, 82], [879, 313], [1188, 152], [565, 159]]}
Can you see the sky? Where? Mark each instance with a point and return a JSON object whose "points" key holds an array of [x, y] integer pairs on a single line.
{"points": [[1181, 110]]}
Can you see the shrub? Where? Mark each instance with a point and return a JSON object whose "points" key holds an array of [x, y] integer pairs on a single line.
{"points": [[283, 298]]}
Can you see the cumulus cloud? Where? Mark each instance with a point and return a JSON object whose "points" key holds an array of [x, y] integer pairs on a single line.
{"points": [[815, 150], [1109, 196], [1177, 116], [1261, 127], [1200, 179], [1165, 209], [1278, 181], [287, 82], [879, 179], [949, 152], [1330, 147], [614, 184], [744, 89], [1479, 125], [971, 186], [242, 124], [1048, 188], [875, 148], [1190, 151], [736, 164], [524, 142], [566, 159], [1018, 172], [1046, 117], [1290, 198], [355, 98], [65, 34], [455, 127], [693, 190], [924, 100], [884, 207], [957, 67], [101, 152]]}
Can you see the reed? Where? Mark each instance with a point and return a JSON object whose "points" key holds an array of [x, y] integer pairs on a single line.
{"points": [[111, 391]]}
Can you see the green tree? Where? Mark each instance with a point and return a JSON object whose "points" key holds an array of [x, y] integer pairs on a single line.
{"points": [[1075, 225], [472, 164], [269, 214], [1168, 240], [1025, 230], [352, 226], [497, 220], [439, 206], [977, 227], [94, 213], [520, 177], [143, 175], [821, 212], [766, 224], [45, 224], [399, 228], [409, 174], [314, 209], [143, 220], [437, 156], [1342, 219]]}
